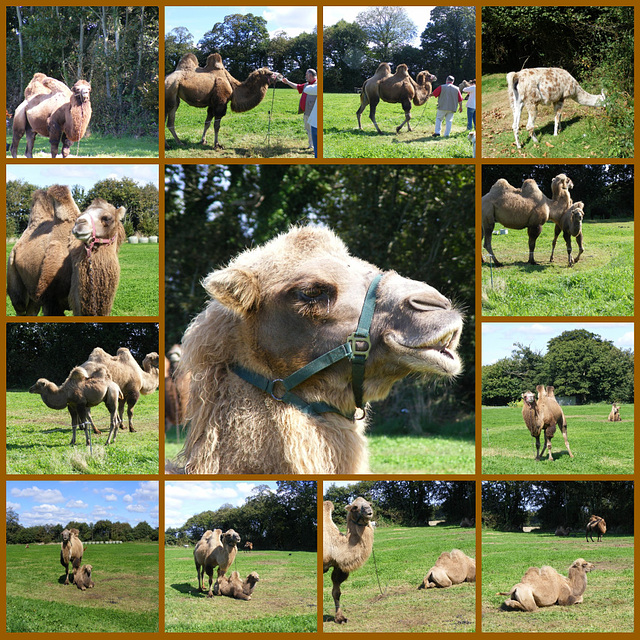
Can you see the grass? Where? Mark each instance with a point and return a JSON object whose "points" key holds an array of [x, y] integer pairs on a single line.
{"points": [[138, 291], [244, 135], [284, 600], [38, 440], [124, 599], [585, 132], [608, 600], [600, 284], [402, 557], [507, 445], [343, 139]]}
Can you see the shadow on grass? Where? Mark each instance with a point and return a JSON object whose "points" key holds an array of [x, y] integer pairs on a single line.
{"points": [[189, 590]]}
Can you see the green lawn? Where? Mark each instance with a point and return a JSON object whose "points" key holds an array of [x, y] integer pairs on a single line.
{"points": [[343, 139], [124, 599], [138, 291], [401, 558], [600, 284], [598, 446], [38, 440], [608, 600], [284, 600], [244, 135]]}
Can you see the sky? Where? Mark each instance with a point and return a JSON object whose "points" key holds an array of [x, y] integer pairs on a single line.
{"points": [[499, 338], [44, 175], [40, 502], [199, 20], [185, 499]]}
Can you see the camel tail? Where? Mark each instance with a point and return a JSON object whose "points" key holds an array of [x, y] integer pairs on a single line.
{"points": [[512, 87]]}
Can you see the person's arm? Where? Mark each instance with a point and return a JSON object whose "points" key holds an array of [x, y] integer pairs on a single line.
{"points": [[311, 89], [293, 85]]}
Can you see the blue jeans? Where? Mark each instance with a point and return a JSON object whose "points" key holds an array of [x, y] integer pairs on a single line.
{"points": [[314, 137], [471, 119]]}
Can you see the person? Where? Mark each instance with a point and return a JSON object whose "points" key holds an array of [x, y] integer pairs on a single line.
{"points": [[449, 97], [306, 101], [311, 91], [471, 105]]}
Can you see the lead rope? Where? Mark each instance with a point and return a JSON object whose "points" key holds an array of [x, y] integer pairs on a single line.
{"points": [[375, 565], [273, 99]]}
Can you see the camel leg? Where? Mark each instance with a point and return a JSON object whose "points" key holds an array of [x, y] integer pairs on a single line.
{"points": [[207, 124], [517, 112], [31, 139], [566, 442], [406, 106], [364, 101], [372, 112], [170, 107], [66, 146], [547, 446], [533, 232], [533, 112], [538, 448], [92, 423], [337, 578], [579, 238], [66, 573], [556, 233], [522, 599], [55, 135], [131, 401], [74, 423], [121, 403], [487, 232], [567, 238], [557, 107]]}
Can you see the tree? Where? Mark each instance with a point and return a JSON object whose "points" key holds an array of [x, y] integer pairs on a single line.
{"points": [[19, 195], [177, 43], [504, 504], [344, 47], [13, 525], [387, 28], [102, 530], [143, 531]]}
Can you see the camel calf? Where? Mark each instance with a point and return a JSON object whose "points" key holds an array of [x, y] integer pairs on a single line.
{"points": [[235, 587]]}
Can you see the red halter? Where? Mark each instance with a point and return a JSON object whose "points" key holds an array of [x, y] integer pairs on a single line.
{"points": [[95, 240]]}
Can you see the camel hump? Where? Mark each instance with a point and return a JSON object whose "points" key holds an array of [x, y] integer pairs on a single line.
{"points": [[41, 208], [327, 507], [74, 532], [214, 63], [402, 70], [64, 206], [188, 62], [78, 373], [550, 393], [542, 392]]}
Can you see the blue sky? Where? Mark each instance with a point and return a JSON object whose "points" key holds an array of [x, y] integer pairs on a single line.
{"points": [[41, 502], [499, 338], [185, 499]]}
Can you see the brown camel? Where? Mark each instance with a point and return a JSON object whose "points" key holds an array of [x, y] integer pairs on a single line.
{"points": [[235, 587], [176, 389], [248, 546], [563, 531], [569, 223], [215, 549], [275, 309], [614, 414], [399, 87], [346, 553], [213, 87], [595, 525], [545, 587], [451, 568], [541, 415], [71, 552], [83, 579], [54, 111]]}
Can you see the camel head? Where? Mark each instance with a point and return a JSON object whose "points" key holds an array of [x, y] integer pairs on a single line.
{"points": [[359, 512], [40, 385], [529, 398], [575, 215], [99, 223], [230, 538], [82, 91], [582, 565], [66, 535], [253, 577], [424, 76], [151, 360]]}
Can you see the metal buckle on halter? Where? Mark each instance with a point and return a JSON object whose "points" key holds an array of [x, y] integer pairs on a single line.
{"points": [[353, 341], [272, 390]]}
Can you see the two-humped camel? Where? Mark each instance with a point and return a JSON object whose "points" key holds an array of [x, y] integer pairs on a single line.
{"points": [[71, 551], [215, 549], [451, 567]]}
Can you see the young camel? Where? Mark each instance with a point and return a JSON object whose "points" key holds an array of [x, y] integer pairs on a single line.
{"points": [[235, 587], [346, 553]]}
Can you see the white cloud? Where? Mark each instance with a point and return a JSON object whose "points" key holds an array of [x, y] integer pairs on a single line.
{"points": [[127, 498], [626, 340], [44, 495], [111, 498], [137, 508], [13, 505], [76, 504], [46, 508]]}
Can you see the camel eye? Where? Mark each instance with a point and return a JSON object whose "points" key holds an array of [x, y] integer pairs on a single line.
{"points": [[312, 294]]}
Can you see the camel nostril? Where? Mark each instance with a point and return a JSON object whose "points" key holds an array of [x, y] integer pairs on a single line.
{"points": [[431, 301]]}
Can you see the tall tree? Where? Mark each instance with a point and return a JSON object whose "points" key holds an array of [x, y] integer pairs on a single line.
{"points": [[387, 28]]}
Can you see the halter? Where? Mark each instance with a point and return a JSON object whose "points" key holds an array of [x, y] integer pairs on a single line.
{"points": [[356, 349], [95, 240]]}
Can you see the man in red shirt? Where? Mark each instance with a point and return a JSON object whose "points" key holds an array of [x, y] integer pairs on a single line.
{"points": [[306, 101]]}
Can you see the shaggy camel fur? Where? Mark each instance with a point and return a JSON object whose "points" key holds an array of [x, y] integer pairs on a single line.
{"points": [[65, 259], [614, 414], [595, 525], [545, 587], [83, 579], [399, 87], [176, 389], [522, 208], [450, 568], [346, 553], [541, 415], [545, 85], [128, 375], [275, 309], [213, 87], [235, 587], [79, 392], [215, 549], [563, 531], [54, 111], [71, 552]]}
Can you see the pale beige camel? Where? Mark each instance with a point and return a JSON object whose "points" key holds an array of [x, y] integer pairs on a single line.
{"points": [[71, 552], [215, 549], [234, 587], [595, 525], [569, 223], [83, 578], [452, 567], [614, 414]]}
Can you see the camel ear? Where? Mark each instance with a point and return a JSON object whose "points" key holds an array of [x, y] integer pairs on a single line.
{"points": [[120, 213], [237, 289]]}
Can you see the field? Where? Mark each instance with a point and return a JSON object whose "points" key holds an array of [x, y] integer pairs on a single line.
{"points": [[244, 135], [585, 131], [598, 446], [38, 440], [124, 599], [138, 291], [600, 284], [402, 556], [608, 600], [343, 139], [284, 600]]}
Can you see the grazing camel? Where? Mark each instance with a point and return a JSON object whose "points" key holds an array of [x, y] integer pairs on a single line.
{"points": [[614, 414], [454, 567], [213, 87], [83, 579], [541, 415], [468, 522], [399, 87], [346, 553], [71, 552], [524, 208], [277, 308], [545, 85], [235, 587], [545, 587], [215, 549], [598, 525]]}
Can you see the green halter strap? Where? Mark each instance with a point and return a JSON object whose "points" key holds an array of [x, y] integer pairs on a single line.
{"points": [[356, 349]]}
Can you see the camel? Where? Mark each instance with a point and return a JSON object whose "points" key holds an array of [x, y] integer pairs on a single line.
{"points": [[66, 259], [545, 587], [213, 87], [83, 579], [71, 552], [277, 308], [614, 414], [522, 208], [450, 568], [541, 415], [176, 389], [570, 224], [399, 87], [235, 587], [468, 522], [346, 553], [563, 531], [128, 375], [78, 393], [248, 546], [215, 549], [52, 110], [545, 85], [598, 525]]}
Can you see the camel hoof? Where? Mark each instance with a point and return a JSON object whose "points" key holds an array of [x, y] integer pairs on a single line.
{"points": [[132, 430]]}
